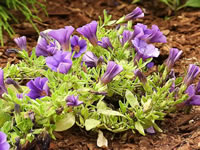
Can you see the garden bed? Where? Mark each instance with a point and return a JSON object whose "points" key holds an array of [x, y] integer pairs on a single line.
{"points": [[180, 131]]}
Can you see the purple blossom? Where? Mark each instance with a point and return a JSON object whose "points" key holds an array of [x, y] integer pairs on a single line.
{"points": [[62, 36], [60, 62], [89, 31], [20, 96], [112, 70], [105, 43], [78, 46], [136, 13], [144, 50], [173, 57], [150, 65], [73, 101], [150, 130], [193, 71], [193, 93], [4, 145], [45, 49], [91, 60], [152, 35], [2, 84], [127, 37], [38, 88], [21, 42], [140, 75]]}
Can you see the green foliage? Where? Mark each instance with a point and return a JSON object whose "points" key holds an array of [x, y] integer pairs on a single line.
{"points": [[128, 105], [6, 14]]}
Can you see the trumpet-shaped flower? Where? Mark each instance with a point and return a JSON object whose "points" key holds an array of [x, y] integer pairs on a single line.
{"points": [[62, 36], [4, 145], [127, 36], [45, 49], [194, 95], [140, 75], [60, 62], [153, 35], [38, 88], [136, 13], [2, 84], [112, 70], [73, 101], [144, 50], [78, 46], [173, 57], [91, 60], [89, 31], [193, 71], [21, 42], [105, 43]]}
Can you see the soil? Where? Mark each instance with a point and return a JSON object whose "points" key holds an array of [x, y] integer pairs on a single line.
{"points": [[180, 131]]}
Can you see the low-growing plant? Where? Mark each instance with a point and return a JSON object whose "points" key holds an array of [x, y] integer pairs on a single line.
{"points": [[6, 14], [178, 4], [97, 81]]}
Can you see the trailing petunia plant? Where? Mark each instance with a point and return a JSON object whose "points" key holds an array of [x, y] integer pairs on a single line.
{"points": [[99, 79]]}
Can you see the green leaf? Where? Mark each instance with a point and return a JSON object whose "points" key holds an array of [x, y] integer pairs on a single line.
{"points": [[91, 124], [4, 117], [132, 100], [65, 123], [110, 112], [139, 127], [192, 3]]}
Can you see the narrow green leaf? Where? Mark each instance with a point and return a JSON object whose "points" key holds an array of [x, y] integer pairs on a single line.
{"points": [[131, 99], [139, 127], [110, 112]]}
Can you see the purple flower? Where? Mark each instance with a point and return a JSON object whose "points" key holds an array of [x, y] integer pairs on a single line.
{"points": [[144, 50], [60, 62], [150, 130], [193, 71], [21, 42], [152, 35], [4, 145], [140, 75], [2, 84], [173, 57], [38, 88], [136, 13], [193, 93], [91, 60], [105, 43], [62, 36], [20, 96], [127, 37], [113, 70], [45, 49], [73, 101], [150, 65], [89, 31], [78, 46]]}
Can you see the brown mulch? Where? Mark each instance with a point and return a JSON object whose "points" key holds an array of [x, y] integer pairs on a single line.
{"points": [[180, 131]]}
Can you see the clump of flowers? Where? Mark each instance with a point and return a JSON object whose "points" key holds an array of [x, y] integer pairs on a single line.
{"points": [[96, 80]]}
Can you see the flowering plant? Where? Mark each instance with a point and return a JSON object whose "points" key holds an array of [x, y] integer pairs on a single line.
{"points": [[96, 80]]}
